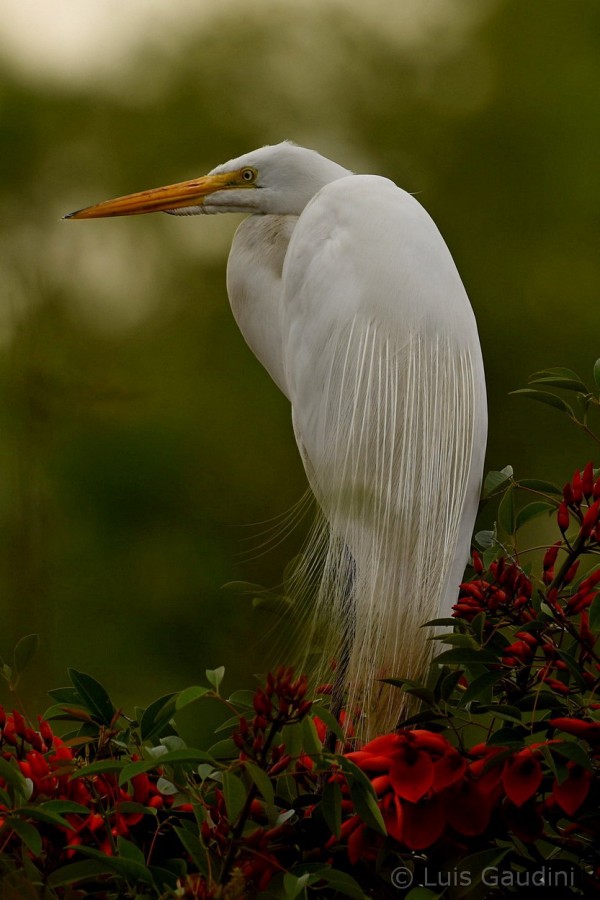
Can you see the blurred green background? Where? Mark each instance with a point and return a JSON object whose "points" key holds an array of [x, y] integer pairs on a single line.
{"points": [[139, 439]]}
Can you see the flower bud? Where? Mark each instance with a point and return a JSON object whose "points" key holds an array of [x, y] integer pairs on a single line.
{"points": [[281, 765], [577, 491], [550, 555], [20, 726], [590, 519], [570, 573], [562, 516], [587, 481], [477, 562]]}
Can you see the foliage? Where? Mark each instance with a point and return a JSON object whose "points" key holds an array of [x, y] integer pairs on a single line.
{"points": [[497, 772]]}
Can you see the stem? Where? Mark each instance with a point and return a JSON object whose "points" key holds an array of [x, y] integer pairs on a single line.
{"points": [[252, 793], [159, 828], [574, 551]]}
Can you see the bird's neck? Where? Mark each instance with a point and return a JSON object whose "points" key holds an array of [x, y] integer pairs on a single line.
{"points": [[254, 287]]}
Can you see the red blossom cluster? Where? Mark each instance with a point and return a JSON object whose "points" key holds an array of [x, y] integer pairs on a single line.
{"points": [[429, 792], [52, 770], [282, 701], [582, 487], [507, 592], [504, 593], [256, 859]]}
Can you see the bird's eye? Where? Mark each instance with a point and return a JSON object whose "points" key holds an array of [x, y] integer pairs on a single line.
{"points": [[248, 175]]}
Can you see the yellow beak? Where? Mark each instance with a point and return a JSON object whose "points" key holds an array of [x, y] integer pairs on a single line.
{"points": [[186, 193]]}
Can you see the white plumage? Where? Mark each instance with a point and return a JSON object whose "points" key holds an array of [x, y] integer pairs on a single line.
{"points": [[346, 292]]}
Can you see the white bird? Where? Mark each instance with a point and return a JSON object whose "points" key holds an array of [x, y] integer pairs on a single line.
{"points": [[346, 292]]}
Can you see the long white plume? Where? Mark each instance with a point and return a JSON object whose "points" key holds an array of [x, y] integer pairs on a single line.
{"points": [[394, 483]]}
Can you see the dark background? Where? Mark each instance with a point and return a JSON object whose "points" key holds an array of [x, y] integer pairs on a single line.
{"points": [[139, 438]]}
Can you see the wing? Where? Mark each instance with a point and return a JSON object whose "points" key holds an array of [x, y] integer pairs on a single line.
{"points": [[384, 371]]}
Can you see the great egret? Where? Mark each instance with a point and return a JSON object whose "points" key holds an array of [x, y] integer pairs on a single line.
{"points": [[346, 292]]}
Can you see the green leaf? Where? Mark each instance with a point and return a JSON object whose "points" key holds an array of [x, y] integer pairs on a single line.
{"points": [[93, 695], [326, 716], [467, 656], [235, 795], [543, 487], [480, 686], [531, 511], [456, 639], [505, 735], [64, 806], [547, 398], [504, 711], [25, 650], [243, 587], [66, 695], [261, 781], [478, 625], [595, 615], [485, 539], [447, 683], [411, 687], [567, 384], [166, 787], [129, 851], [363, 795], [365, 805], [224, 749], [294, 885], [574, 669], [99, 767], [42, 815], [79, 871], [331, 806], [242, 698], [28, 834], [157, 716], [194, 847], [127, 868], [189, 695], [59, 712], [342, 883], [130, 806], [215, 676], [291, 736], [573, 750], [440, 622], [493, 480], [506, 512], [597, 373], [310, 739], [476, 866], [13, 777], [557, 372], [165, 878], [173, 758]]}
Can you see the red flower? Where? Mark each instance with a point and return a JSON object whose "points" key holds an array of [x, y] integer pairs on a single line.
{"points": [[448, 769], [522, 776], [590, 731], [423, 823], [468, 807], [571, 792], [525, 820]]}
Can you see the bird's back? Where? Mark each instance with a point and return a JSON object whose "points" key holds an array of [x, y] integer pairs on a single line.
{"points": [[384, 372]]}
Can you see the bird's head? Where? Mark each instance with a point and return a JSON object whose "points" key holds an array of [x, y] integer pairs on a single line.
{"points": [[275, 180]]}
